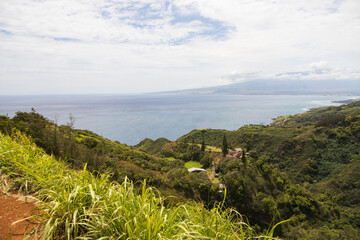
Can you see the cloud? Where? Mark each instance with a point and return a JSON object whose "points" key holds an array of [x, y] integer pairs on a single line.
{"points": [[322, 70], [141, 22], [316, 71], [152, 45], [321, 67]]}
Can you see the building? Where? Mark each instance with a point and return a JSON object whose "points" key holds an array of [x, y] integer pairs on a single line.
{"points": [[235, 153], [196, 170], [222, 187]]}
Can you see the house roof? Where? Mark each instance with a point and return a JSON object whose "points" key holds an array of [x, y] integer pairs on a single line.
{"points": [[196, 170]]}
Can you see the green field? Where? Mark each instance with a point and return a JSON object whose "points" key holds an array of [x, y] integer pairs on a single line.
{"points": [[193, 164], [213, 149]]}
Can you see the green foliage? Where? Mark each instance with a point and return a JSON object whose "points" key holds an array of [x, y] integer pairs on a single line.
{"points": [[152, 147], [206, 161], [193, 153], [224, 147], [243, 156], [82, 147], [211, 136], [309, 147], [193, 185], [203, 147], [79, 205], [332, 121], [303, 167]]}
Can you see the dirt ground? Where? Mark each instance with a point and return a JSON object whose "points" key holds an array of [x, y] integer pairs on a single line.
{"points": [[14, 208]]}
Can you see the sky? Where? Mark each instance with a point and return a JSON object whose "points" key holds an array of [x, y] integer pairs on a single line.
{"points": [[136, 46]]}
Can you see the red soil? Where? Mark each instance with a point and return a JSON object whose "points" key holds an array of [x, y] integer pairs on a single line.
{"points": [[13, 209]]}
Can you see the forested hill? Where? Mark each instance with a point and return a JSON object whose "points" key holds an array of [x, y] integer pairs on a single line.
{"points": [[80, 147], [304, 167], [318, 150], [308, 146]]}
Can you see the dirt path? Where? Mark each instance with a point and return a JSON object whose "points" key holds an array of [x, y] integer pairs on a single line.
{"points": [[12, 209], [214, 163]]}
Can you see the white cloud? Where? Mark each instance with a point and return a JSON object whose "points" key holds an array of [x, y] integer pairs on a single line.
{"points": [[151, 45], [321, 66], [316, 71], [322, 70]]}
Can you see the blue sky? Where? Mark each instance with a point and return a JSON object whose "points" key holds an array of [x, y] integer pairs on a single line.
{"points": [[124, 46]]}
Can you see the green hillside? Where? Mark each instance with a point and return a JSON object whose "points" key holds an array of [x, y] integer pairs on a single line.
{"points": [[302, 167], [153, 147], [309, 146], [80, 147], [78, 205]]}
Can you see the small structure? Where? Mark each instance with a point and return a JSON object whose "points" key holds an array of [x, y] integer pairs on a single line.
{"points": [[222, 187], [196, 170], [235, 153]]}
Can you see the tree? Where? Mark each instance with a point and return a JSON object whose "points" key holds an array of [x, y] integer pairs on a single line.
{"points": [[243, 156], [206, 161], [203, 145], [224, 146], [72, 121], [55, 148]]}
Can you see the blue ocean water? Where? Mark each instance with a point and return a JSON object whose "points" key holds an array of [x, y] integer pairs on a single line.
{"points": [[131, 118]]}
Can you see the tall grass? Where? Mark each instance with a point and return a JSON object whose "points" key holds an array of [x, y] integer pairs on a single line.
{"points": [[79, 205]]}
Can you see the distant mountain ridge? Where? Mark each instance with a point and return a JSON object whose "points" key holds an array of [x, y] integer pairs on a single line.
{"points": [[282, 87]]}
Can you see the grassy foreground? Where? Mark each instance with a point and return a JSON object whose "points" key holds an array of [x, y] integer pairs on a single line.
{"points": [[79, 205]]}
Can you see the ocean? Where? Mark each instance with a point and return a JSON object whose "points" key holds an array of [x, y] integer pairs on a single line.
{"points": [[131, 118]]}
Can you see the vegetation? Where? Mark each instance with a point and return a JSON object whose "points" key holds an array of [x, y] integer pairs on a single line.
{"points": [[193, 164], [224, 146], [319, 142], [304, 168], [79, 205], [80, 147]]}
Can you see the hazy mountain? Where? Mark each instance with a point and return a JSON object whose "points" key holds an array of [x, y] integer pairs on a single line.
{"points": [[283, 87]]}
